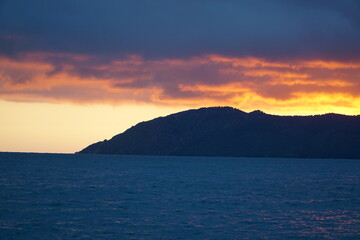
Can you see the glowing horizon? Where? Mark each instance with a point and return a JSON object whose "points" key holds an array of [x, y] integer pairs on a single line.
{"points": [[283, 88]]}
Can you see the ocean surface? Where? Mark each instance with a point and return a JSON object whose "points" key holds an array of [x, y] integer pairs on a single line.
{"points": [[65, 196]]}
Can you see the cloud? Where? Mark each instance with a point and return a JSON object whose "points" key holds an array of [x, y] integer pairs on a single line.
{"points": [[273, 54], [162, 29], [196, 81]]}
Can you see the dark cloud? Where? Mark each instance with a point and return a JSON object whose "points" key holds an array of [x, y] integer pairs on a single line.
{"points": [[159, 29]]}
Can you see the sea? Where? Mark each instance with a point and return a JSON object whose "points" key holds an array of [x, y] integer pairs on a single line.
{"points": [[73, 196]]}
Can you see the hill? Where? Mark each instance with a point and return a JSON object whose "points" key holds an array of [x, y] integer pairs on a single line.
{"points": [[226, 131]]}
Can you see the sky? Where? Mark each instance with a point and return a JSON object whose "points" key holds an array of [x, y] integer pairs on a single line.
{"points": [[76, 72]]}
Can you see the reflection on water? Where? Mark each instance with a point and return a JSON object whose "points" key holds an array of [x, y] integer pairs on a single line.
{"points": [[51, 196]]}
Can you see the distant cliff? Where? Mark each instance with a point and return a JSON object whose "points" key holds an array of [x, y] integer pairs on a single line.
{"points": [[225, 131]]}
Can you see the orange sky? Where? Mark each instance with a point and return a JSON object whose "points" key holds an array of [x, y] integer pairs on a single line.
{"points": [[49, 106], [279, 87]]}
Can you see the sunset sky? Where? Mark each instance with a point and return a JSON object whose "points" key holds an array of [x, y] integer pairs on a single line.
{"points": [[76, 72]]}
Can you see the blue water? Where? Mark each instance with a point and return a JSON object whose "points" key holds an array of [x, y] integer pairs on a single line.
{"points": [[56, 196]]}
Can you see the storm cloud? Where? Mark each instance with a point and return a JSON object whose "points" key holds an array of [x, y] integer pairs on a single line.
{"points": [[272, 29]]}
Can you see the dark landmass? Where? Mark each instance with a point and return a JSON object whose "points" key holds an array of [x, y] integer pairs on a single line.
{"points": [[225, 131]]}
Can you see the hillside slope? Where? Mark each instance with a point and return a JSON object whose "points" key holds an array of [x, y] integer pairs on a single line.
{"points": [[225, 131]]}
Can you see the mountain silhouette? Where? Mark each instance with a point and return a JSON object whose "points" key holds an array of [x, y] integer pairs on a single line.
{"points": [[226, 131]]}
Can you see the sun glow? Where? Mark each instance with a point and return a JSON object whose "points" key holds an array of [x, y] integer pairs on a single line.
{"points": [[66, 128]]}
